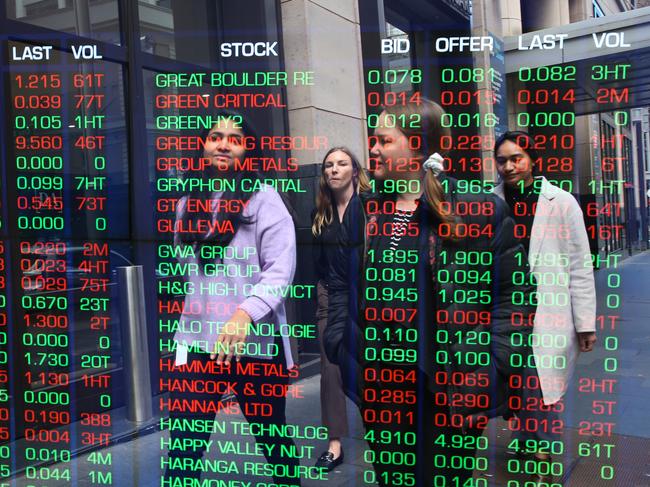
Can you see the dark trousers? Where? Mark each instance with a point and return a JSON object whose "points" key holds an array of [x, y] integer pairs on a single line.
{"points": [[256, 402], [413, 444], [332, 397]]}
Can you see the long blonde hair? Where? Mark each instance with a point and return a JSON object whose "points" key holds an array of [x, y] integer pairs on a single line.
{"points": [[325, 198], [429, 131]]}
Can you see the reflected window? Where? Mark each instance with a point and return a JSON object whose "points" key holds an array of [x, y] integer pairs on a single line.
{"points": [[157, 28], [598, 12], [97, 19], [170, 29], [398, 60]]}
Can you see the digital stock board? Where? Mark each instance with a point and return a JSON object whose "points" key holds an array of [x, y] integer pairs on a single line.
{"points": [[264, 243]]}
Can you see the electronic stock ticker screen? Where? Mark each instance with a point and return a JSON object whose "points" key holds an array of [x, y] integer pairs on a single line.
{"points": [[184, 259]]}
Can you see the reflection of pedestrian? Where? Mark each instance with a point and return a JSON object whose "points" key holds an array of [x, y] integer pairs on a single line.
{"points": [[420, 306], [341, 176], [550, 225], [244, 252]]}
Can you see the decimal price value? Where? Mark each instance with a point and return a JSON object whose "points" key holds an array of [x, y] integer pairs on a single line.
{"points": [[545, 97], [39, 203], [397, 335], [37, 102], [388, 396], [391, 186], [468, 164], [392, 375], [548, 73], [49, 359], [463, 441], [467, 142], [554, 164], [394, 76], [43, 122], [391, 98], [473, 186], [47, 379], [399, 165], [39, 142], [467, 97], [38, 81], [390, 437], [468, 75], [46, 321], [464, 120]]}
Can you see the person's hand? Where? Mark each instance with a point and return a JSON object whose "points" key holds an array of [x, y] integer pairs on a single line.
{"points": [[587, 340], [232, 337]]}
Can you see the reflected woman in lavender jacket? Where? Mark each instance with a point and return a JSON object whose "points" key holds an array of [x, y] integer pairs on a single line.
{"points": [[238, 241]]}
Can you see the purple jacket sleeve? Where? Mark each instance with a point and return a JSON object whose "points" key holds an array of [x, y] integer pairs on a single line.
{"points": [[276, 244]]}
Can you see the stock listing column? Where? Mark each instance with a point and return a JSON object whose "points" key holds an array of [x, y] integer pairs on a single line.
{"points": [[212, 168], [61, 166]]}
